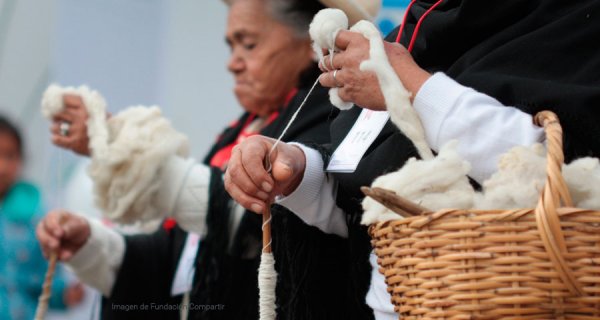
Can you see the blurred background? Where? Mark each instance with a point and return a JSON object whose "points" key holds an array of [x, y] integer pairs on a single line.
{"points": [[148, 52]]}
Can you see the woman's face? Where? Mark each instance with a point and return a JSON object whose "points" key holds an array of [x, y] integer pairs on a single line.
{"points": [[10, 161], [267, 58]]}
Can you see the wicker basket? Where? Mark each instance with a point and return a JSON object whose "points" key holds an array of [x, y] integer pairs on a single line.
{"points": [[541, 263]]}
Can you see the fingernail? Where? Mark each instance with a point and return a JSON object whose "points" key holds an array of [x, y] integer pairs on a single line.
{"points": [[267, 187], [262, 195], [256, 207]]}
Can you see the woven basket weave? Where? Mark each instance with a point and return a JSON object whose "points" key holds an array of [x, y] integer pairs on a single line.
{"points": [[541, 263]]}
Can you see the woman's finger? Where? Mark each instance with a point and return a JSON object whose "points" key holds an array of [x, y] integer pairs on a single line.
{"points": [[253, 155], [334, 61], [72, 102], [344, 38], [245, 200], [245, 183], [53, 224], [62, 141], [47, 241], [55, 128], [328, 80], [64, 116]]}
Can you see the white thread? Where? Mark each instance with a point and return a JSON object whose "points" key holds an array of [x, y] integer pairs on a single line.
{"points": [[291, 121], [267, 277], [263, 228], [267, 280]]}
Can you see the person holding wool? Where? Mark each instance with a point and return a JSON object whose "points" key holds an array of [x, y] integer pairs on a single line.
{"points": [[477, 71], [272, 61]]}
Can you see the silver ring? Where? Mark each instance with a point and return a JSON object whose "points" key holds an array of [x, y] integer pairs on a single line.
{"points": [[64, 128], [337, 84]]}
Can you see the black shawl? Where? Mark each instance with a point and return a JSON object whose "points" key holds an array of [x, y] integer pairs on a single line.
{"points": [[313, 277]]}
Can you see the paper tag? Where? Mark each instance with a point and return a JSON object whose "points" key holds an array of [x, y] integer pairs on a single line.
{"points": [[366, 128], [184, 276]]}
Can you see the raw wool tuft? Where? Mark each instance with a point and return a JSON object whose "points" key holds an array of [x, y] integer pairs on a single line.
{"points": [[128, 152], [436, 183], [441, 183], [334, 98], [53, 103], [521, 177], [323, 31], [518, 181], [126, 180], [583, 178], [397, 98]]}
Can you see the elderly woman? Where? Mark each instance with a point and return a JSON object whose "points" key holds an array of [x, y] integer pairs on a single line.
{"points": [[272, 61], [478, 72]]}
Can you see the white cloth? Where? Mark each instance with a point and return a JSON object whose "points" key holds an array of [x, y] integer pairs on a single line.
{"points": [[99, 260], [183, 195], [314, 199], [484, 128], [378, 298]]}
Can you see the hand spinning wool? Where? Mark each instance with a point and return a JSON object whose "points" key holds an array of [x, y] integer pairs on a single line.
{"points": [[126, 151], [323, 31], [442, 182]]}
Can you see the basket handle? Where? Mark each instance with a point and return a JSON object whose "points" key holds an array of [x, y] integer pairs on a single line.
{"points": [[555, 194]]}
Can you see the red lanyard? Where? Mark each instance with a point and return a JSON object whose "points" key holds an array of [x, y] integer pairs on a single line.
{"points": [[417, 27]]}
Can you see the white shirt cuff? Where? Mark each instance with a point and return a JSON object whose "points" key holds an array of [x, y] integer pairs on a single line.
{"points": [[313, 201], [484, 127], [434, 102], [309, 187], [99, 260]]}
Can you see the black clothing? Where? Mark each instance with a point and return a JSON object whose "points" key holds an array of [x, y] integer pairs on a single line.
{"points": [[313, 278], [533, 55]]}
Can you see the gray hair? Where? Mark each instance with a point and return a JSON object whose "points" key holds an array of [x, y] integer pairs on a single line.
{"points": [[297, 14]]}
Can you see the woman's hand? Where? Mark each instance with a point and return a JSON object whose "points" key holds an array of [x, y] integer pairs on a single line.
{"points": [[75, 114], [62, 232], [247, 180], [360, 87]]}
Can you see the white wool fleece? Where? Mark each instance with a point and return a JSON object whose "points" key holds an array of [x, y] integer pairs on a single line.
{"points": [[435, 184], [127, 179], [323, 31], [518, 181], [441, 183], [397, 98], [139, 165], [53, 103]]}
